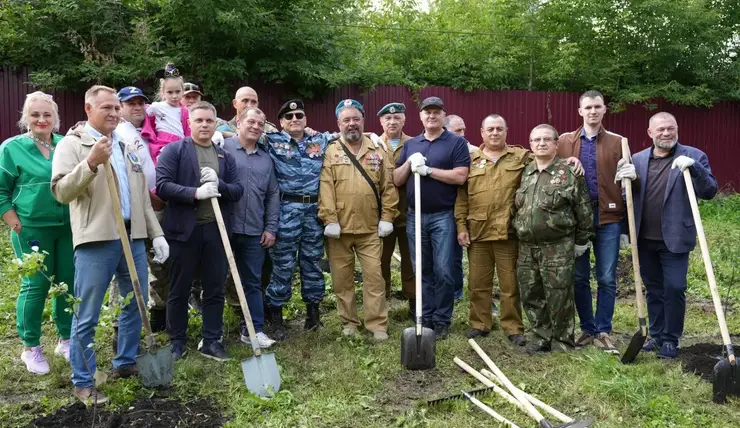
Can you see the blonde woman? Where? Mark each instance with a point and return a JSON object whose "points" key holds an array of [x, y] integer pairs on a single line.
{"points": [[36, 219]]}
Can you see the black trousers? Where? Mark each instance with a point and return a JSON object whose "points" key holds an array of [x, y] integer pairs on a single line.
{"points": [[203, 253]]}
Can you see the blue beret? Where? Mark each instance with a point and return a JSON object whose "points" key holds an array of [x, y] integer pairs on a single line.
{"points": [[392, 108], [349, 103]]}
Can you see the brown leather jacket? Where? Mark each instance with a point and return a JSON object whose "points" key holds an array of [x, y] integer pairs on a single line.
{"points": [[608, 152]]}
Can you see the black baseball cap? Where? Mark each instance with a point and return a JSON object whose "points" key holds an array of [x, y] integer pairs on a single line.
{"points": [[432, 102]]}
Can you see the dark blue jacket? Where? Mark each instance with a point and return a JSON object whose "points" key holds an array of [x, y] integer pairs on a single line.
{"points": [[679, 230], [178, 177]]}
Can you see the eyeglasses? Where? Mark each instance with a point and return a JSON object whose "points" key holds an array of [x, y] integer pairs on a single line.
{"points": [[289, 116], [542, 140]]}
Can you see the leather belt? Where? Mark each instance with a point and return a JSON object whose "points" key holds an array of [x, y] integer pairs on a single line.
{"points": [[303, 199]]}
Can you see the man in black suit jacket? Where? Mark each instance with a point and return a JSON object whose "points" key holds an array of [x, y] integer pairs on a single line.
{"points": [[189, 173]]}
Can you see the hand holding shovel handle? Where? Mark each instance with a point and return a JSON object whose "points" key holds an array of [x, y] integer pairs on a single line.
{"points": [[638, 340], [708, 265], [115, 199], [235, 276]]}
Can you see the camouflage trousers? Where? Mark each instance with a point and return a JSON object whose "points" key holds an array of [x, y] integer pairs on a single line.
{"points": [[545, 275]]}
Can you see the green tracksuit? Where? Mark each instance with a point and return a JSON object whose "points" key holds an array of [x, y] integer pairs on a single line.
{"points": [[25, 186]]}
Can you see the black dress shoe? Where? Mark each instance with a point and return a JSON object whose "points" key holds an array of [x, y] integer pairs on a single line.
{"points": [[517, 339], [474, 332], [535, 348], [441, 331]]}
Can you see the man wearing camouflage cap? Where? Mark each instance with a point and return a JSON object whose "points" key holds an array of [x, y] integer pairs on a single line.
{"points": [[357, 204], [554, 223]]}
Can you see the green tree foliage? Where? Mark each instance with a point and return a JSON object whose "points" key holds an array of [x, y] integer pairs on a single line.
{"points": [[633, 50]]}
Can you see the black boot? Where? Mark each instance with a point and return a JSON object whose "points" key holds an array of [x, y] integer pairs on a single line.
{"points": [[158, 319], [312, 317], [275, 314]]}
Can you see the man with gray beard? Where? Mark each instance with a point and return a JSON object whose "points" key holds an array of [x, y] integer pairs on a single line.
{"points": [[357, 205], [665, 226]]}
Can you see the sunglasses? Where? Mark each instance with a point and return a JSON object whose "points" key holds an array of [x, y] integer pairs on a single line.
{"points": [[289, 116]]}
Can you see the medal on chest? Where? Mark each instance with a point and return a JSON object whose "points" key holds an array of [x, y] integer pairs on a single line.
{"points": [[372, 162], [313, 150], [135, 161]]}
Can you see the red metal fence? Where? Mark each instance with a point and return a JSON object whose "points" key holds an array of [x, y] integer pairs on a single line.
{"points": [[711, 130]]}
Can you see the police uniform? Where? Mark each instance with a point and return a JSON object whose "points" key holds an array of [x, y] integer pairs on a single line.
{"points": [[399, 230], [483, 210], [553, 213], [346, 198], [300, 233]]}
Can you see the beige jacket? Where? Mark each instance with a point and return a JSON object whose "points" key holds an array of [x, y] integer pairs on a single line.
{"points": [[345, 197], [86, 192]]}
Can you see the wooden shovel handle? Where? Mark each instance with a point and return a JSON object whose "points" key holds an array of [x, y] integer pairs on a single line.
{"points": [[532, 399], [116, 202], [627, 184], [507, 383], [708, 263], [473, 372], [235, 276]]}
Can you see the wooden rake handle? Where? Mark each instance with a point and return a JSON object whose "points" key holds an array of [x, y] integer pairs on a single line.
{"points": [[235, 276], [510, 386], [473, 372], [116, 202], [627, 184], [708, 264]]}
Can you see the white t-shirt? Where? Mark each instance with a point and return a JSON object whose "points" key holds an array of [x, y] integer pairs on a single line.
{"points": [[166, 118], [131, 135]]}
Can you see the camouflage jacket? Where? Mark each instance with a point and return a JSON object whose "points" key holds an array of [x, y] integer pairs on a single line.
{"points": [[554, 207]]}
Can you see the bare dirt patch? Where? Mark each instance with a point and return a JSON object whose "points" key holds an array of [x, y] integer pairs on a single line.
{"points": [[142, 413]]}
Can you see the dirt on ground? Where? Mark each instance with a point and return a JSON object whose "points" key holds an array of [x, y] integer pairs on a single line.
{"points": [[142, 413], [700, 359]]}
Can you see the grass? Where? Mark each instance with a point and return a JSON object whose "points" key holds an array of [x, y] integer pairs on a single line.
{"points": [[331, 381]]}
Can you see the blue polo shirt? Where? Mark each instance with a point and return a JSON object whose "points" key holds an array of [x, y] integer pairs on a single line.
{"points": [[447, 151]]}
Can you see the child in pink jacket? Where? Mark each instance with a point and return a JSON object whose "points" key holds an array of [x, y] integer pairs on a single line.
{"points": [[167, 120]]}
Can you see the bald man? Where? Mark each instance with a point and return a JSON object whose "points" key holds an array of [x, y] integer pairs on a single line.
{"points": [[665, 227], [244, 98]]}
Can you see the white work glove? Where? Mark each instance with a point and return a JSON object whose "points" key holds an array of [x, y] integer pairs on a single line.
{"points": [[417, 159], [581, 249], [378, 141], [682, 162], [207, 191], [422, 170], [218, 139], [161, 249], [208, 175], [624, 242], [624, 170], [332, 230], [472, 148], [385, 228]]}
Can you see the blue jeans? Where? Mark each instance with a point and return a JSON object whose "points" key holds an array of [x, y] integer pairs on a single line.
{"points": [[606, 250], [664, 275], [438, 242], [457, 272], [95, 265], [250, 256]]}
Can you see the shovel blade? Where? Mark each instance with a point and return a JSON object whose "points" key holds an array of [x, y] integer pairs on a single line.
{"points": [[583, 423], [156, 368], [418, 352], [634, 348], [261, 375], [725, 381]]}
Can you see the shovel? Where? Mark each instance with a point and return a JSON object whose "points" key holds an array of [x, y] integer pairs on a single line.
{"points": [[261, 374], [522, 398], [638, 340], [418, 345], [155, 365], [726, 373]]}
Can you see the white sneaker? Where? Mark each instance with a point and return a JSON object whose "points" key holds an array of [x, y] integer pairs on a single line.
{"points": [[63, 349], [349, 331], [380, 336], [263, 341], [35, 361]]}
